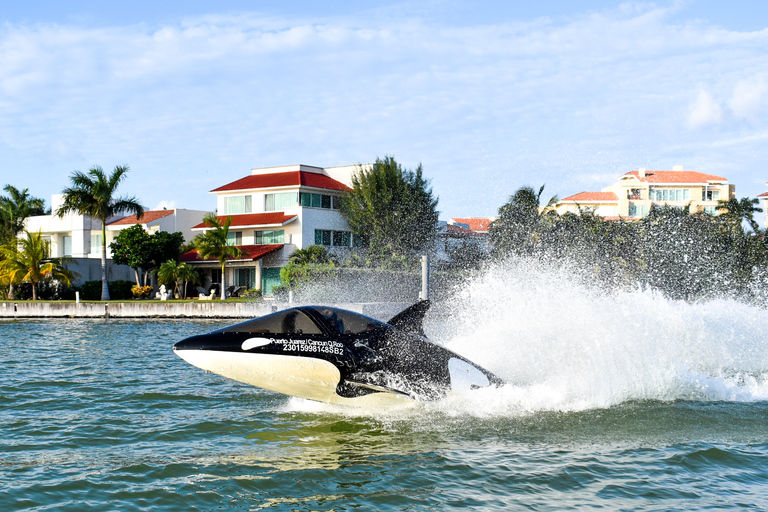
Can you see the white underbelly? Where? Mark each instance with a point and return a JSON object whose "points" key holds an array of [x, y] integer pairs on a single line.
{"points": [[303, 377]]}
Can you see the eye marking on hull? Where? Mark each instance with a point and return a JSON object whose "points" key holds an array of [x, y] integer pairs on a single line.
{"points": [[252, 343]]}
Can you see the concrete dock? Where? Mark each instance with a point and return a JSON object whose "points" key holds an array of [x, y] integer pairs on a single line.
{"points": [[202, 309]]}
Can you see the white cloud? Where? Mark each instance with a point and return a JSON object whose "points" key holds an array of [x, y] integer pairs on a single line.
{"points": [[210, 97], [165, 205], [750, 98], [705, 110]]}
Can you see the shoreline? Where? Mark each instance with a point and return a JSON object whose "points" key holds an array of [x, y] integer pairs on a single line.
{"points": [[202, 309]]}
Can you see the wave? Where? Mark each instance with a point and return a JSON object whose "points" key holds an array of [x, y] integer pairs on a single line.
{"points": [[563, 345]]}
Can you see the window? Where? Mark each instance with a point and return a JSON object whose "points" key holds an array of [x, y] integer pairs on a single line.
{"points": [[710, 210], [96, 244], [320, 201], [215, 275], [710, 195], [67, 243], [637, 210], [290, 321], [238, 204], [245, 277], [323, 237], [634, 193], [281, 201], [665, 194], [235, 238], [335, 238], [274, 236]]}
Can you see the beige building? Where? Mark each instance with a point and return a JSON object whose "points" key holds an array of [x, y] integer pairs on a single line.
{"points": [[632, 196], [764, 197]]}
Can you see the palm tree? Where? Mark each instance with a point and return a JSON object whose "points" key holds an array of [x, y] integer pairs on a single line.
{"points": [[93, 194], [740, 210], [187, 274], [168, 273], [174, 272], [516, 229], [213, 245], [314, 254], [29, 261], [14, 210]]}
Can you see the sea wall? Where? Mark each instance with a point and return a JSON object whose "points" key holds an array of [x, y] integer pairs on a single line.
{"points": [[141, 309]]}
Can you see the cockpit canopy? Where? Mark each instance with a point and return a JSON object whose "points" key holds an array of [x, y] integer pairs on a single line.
{"points": [[314, 320]]}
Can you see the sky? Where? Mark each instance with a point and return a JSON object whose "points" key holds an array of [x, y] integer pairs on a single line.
{"points": [[487, 96]]}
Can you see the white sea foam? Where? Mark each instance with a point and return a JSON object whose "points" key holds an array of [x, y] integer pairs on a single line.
{"points": [[563, 346]]}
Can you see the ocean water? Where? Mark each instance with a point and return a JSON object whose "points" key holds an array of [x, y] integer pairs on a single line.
{"points": [[614, 402]]}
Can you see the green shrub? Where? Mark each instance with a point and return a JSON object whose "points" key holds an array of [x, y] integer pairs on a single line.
{"points": [[90, 290], [120, 289], [251, 294], [280, 292]]}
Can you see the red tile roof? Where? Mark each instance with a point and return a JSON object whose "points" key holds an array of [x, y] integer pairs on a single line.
{"points": [[676, 177], [148, 217], [253, 220], [284, 179], [619, 217], [457, 230], [764, 194], [475, 223], [252, 253], [592, 197]]}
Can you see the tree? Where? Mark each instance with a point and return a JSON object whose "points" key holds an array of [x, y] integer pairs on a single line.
{"points": [[173, 272], [736, 211], [187, 274], [391, 209], [686, 254], [305, 265], [14, 210], [313, 254], [168, 273], [141, 251], [131, 247], [28, 260], [163, 246], [519, 223], [212, 244], [93, 194]]}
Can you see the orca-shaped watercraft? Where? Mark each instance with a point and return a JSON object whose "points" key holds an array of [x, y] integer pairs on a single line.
{"points": [[337, 356]]}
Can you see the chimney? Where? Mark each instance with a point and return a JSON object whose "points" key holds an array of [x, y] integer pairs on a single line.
{"points": [[641, 172], [677, 168]]}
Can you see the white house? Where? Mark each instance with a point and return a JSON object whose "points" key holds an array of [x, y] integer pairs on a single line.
{"points": [[275, 211], [451, 235], [79, 236], [176, 220]]}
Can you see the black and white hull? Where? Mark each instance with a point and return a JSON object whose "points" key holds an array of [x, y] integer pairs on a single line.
{"points": [[337, 356]]}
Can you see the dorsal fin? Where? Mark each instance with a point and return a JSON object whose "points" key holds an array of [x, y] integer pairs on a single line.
{"points": [[411, 319]]}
